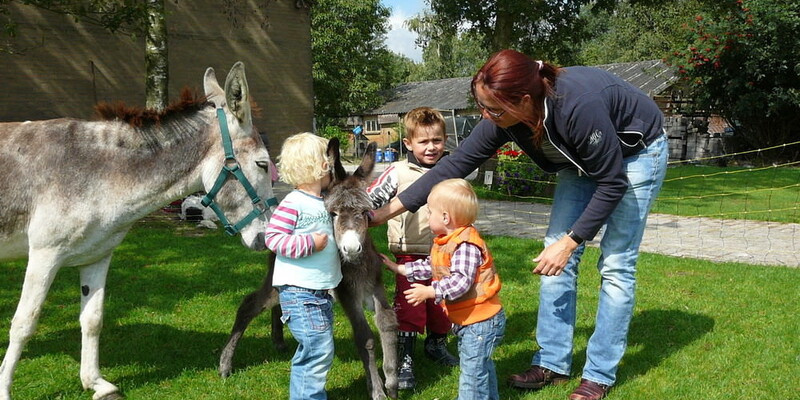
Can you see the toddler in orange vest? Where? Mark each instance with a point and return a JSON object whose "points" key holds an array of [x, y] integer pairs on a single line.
{"points": [[464, 281]]}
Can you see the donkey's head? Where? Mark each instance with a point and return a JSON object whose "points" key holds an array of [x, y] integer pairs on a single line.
{"points": [[249, 153], [348, 202]]}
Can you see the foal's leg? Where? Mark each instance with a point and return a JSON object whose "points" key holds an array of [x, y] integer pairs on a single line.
{"points": [[93, 283], [254, 304], [386, 321], [365, 340]]}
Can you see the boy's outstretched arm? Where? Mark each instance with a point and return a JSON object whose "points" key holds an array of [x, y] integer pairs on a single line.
{"points": [[398, 269]]}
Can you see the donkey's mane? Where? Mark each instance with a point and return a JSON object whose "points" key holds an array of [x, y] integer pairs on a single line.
{"points": [[190, 102]]}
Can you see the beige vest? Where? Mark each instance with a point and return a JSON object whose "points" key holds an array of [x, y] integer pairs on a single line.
{"points": [[408, 232]]}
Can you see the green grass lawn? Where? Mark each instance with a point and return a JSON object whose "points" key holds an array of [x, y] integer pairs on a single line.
{"points": [[761, 194], [700, 330], [764, 194]]}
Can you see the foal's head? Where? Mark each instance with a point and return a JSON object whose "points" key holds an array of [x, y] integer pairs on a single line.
{"points": [[348, 202]]}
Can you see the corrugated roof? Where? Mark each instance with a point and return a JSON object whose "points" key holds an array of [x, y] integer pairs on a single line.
{"points": [[652, 76], [444, 94]]}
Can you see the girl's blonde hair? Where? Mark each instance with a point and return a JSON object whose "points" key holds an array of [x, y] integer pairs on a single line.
{"points": [[457, 197], [304, 159]]}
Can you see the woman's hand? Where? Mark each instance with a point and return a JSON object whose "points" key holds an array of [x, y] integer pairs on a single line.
{"points": [[385, 213], [552, 260]]}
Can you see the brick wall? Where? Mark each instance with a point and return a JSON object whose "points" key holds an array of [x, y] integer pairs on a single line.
{"points": [[62, 68]]}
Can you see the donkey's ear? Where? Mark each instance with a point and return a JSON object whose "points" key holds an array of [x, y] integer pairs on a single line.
{"points": [[368, 162], [237, 95], [339, 173], [214, 92]]}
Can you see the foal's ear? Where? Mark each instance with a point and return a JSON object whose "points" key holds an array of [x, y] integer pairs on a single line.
{"points": [[339, 173], [237, 95], [368, 162]]}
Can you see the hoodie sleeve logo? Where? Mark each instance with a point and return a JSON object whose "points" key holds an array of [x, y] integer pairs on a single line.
{"points": [[595, 137]]}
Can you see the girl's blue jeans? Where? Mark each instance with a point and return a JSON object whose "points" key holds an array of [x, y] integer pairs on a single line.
{"points": [[309, 316], [619, 251], [476, 344]]}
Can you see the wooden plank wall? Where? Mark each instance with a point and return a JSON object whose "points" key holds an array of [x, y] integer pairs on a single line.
{"points": [[61, 68]]}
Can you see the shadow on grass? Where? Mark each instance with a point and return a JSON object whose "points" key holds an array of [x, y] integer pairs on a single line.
{"points": [[657, 334], [171, 352], [654, 336]]}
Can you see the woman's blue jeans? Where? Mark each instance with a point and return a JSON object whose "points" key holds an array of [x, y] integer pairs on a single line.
{"points": [[619, 251], [476, 344], [309, 316]]}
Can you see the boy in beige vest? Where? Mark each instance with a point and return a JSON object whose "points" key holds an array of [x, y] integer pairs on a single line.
{"points": [[410, 239]]}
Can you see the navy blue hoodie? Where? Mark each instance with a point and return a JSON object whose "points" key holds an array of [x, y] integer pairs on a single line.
{"points": [[594, 119]]}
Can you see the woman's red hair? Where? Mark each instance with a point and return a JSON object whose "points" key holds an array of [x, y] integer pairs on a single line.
{"points": [[508, 76]]}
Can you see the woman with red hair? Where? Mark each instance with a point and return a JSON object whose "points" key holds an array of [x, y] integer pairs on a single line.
{"points": [[605, 140]]}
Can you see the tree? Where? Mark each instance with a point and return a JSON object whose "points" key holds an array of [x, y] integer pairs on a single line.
{"points": [[546, 29], [351, 64], [156, 58], [446, 52], [742, 62], [635, 30]]}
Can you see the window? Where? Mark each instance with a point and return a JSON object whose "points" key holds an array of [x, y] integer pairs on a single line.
{"points": [[371, 125]]}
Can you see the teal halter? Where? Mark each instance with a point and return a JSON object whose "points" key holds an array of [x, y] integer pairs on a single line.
{"points": [[231, 167]]}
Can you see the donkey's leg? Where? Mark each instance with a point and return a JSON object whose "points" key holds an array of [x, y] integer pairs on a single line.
{"points": [[365, 340], [253, 304], [93, 283], [386, 321], [275, 303], [42, 269]]}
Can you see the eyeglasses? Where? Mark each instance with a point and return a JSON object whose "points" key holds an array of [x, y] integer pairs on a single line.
{"points": [[492, 113]]}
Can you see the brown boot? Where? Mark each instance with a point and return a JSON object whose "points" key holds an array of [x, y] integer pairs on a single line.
{"points": [[536, 377], [589, 390]]}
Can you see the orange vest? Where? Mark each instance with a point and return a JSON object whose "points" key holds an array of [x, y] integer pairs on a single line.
{"points": [[481, 301]]}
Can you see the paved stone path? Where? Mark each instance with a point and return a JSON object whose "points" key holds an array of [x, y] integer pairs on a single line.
{"points": [[752, 242]]}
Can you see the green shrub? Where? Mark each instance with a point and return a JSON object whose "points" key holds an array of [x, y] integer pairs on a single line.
{"points": [[329, 132]]}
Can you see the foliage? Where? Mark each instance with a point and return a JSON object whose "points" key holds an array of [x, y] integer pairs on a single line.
{"points": [[742, 62], [173, 290], [329, 132], [635, 30], [351, 64], [446, 52], [127, 16], [518, 175], [545, 29]]}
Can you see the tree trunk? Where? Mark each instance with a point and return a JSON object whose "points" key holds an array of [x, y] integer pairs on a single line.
{"points": [[156, 57], [503, 28]]}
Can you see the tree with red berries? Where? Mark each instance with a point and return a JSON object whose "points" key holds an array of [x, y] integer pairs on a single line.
{"points": [[743, 63]]}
